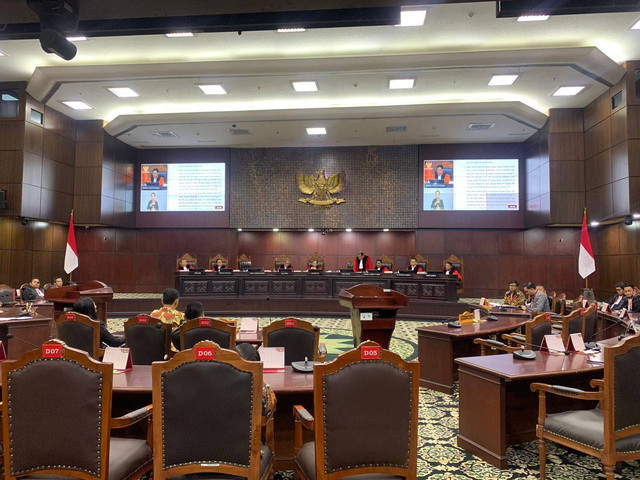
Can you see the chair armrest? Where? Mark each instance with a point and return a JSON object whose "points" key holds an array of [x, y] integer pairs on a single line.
{"points": [[267, 424], [566, 391], [514, 338], [302, 418], [132, 418], [322, 352], [597, 383]]}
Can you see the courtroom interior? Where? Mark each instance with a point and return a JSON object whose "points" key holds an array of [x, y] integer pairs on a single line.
{"points": [[438, 200]]}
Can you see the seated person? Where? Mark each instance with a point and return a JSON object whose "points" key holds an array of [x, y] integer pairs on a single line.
{"points": [[414, 267], [184, 266], [194, 310], [168, 314], [632, 300], [218, 265], [32, 292], [539, 300], [379, 266], [86, 306], [315, 266], [362, 263], [57, 282], [514, 296], [439, 177], [615, 302], [156, 178], [286, 266], [449, 269], [248, 352]]}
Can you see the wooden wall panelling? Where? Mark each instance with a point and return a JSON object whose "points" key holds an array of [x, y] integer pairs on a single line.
{"points": [[59, 124], [598, 170], [597, 111], [632, 96], [598, 138]]}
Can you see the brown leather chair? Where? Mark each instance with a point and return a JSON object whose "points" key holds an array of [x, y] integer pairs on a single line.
{"points": [[363, 435], [611, 430], [81, 332], [422, 262], [386, 262], [558, 305], [317, 258], [214, 259], [209, 403], [57, 413], [590, 322], [572, 323], [299, 338], [534, 332], [243, 262], [148, 339], [204, 328], [191, 261]]}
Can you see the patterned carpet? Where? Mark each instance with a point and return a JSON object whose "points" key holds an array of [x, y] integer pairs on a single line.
{"points": [[439, 458]]}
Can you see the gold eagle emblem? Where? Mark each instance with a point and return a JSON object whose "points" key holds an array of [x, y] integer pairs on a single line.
{"points": [[320, 188]]}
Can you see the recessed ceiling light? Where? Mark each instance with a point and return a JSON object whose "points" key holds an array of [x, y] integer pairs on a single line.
{"points": [[77, 105], [412, 17], [594, 223], [499, 80], [239, 229], [348, 230], [568, 91], [385, 230], [179, 34], [123, 92], [533, 18], [398, 83], [76, 38], [310, 86], [316, 131], [636, 26], [636, 215], [311, 230], [292, 30], [276, 229], [213, 89]]}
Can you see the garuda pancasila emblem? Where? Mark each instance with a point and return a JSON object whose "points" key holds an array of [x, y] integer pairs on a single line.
{"points": [[320, 188]]}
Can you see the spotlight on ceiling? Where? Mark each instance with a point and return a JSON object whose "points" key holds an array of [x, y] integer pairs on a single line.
{"points": [[57, 18]]}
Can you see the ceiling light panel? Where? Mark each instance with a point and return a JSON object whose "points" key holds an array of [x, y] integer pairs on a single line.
{"points": [[533, 18], [291, 30], [213, 89], [307, 86], [412, 17], [123, 92], [636, 26], [568, 91], [316, 131], [179, 34], [401, 83], [77, 105], [502, 80], [76, 38]]}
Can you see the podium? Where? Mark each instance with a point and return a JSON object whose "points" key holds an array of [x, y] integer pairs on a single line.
{"points": [[63, 297], [373, 312]]}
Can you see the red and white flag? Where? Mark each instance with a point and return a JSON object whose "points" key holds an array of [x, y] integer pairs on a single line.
{"points": [[71, 254], [586, 262]]}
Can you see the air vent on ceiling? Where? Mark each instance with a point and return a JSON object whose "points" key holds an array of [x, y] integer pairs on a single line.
{"points": [[396, 129], [168, 134], [480, 126], [239, 131]]}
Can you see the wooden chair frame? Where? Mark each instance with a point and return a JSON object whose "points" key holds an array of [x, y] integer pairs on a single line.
{"points": [[193, 261], [487, 345], [107, 423], [151, 321], [95, 324], [215, 258], [220, 355], [215, 324], [300, 325], [517, 340], [317, 258], [280, 259], [242, 258], [304, 419], [423, 262], [605, 395]]}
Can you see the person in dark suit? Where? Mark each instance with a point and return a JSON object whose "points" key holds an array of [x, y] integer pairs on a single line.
{"points": [[615, 302], [32, 292], [86, 306], [184, 266], [414, 267], [379, 266], [57, 282], [286, 266], [153, 204], [449, 269], [362, 263], [632, 300], [437, 203], [218, 265], [156, 178]]}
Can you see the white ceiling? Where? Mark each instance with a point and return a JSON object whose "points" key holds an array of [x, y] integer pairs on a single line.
{"points": [[452, 57]]}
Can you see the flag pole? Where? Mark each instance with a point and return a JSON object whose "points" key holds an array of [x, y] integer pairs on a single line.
{"points": [[71, 272], [586, 279]]}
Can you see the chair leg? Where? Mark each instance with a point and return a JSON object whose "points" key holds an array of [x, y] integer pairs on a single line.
{"points": [[542, 449], [608, 471]]}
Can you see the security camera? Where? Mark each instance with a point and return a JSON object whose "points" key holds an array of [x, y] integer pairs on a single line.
{"points": [[57, 18]]}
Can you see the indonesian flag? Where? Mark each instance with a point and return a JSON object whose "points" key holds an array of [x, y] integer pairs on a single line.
{"points": [[586, 262], [71, 254]]}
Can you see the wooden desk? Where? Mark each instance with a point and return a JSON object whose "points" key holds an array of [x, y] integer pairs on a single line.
{"points": [[27, 331], [63, 297], [132, 390], [497, 407], [440, 345]]}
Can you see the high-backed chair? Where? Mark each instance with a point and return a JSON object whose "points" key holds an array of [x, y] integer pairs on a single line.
{"points": [[200, 329], [610, 431], [559, 303], [350, 264], [278, 261], [387, 262], [572, 323], [590, 322], [211, 424], [56, 403], [459, 265], [317, 258], [363, 435], [81, 332], [299, 338], [7, 295], [534, 332], [218, 256], [423, 262], [244, 262], [148, 338], [191, 261]]}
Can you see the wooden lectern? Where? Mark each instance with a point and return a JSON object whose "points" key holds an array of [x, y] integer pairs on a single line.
{"points": [[63, 297], [380, 305]]}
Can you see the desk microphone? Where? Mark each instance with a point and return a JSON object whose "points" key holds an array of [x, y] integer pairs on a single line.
{"points": [[528, 354], [631, 330], [269, 308], [593, 345], [12, 336]]}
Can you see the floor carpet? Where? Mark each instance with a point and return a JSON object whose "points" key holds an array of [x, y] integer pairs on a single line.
{"points": [[439, 458]]}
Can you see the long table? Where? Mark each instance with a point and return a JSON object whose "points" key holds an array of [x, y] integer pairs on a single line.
{"points": [[27, 332], [497, 406], [440, 345]]}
